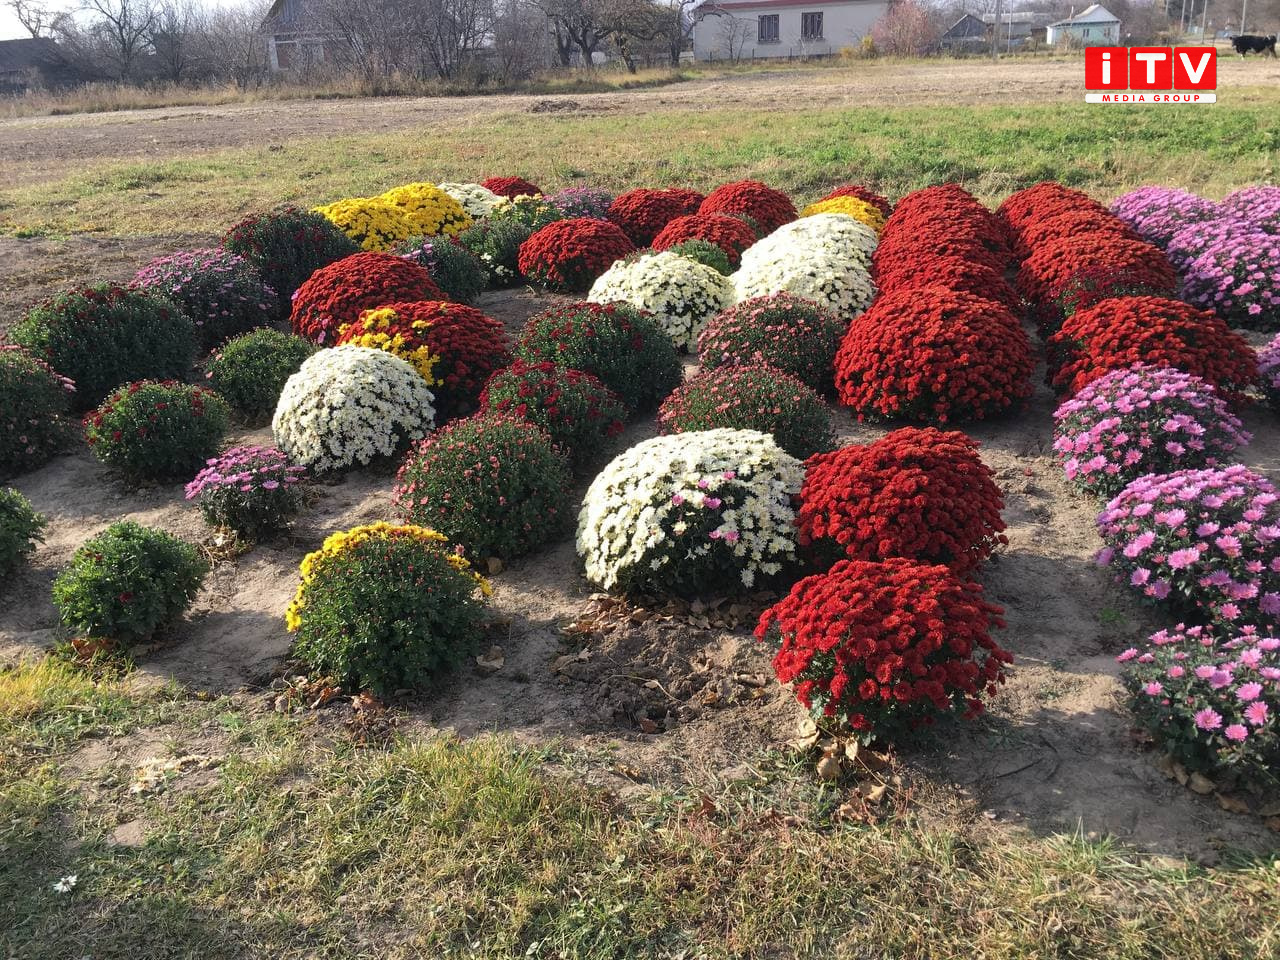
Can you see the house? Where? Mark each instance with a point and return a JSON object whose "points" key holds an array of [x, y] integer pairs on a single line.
{"points": [[292, 40], [38, 62], [1093, 25], [762, 29], [1018, 27], [969, 33], [972, 32]]}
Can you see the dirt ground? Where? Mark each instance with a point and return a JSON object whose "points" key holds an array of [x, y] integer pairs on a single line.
{"points": [[39, 149], [685, 698]]}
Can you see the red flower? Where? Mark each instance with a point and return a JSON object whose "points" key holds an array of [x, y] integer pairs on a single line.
{"points": [[1051, 267], [511, 187], [728, 233], [1042, 200], [643, 213], [954, 273], [769, 208], [337, 294], [568, 255]]}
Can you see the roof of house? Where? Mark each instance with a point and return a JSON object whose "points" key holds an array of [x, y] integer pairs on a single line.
{"points": [[711, 6], [967, 27], [284, 15], [1094, 13], [1016, 16], [27, 54]]}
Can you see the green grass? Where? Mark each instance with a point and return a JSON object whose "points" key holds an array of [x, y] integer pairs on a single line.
{"points": [[993, 150], [307, 847]]}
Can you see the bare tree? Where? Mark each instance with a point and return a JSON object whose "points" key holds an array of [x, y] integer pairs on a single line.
{"points": [[36, 18], [175, 36], [450, 32], [521, 41], [909, 29], [234, 45], [580, 24], [123, 28]]}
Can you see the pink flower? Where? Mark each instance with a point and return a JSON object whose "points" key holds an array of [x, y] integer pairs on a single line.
{"points": [[1248, 691], [1208, 719], [1127, 655], [1153, 689], [1256, 713], [1236, 732], [1176, 671], [1181, 559]]}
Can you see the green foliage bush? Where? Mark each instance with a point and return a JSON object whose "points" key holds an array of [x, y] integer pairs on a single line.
{"points": [[34, 411], [157, 431], [251, 370], [704, 252], [21, 528], [455, 269]]}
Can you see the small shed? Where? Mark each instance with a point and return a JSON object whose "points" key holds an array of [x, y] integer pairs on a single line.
{"points": [[967, 33]]}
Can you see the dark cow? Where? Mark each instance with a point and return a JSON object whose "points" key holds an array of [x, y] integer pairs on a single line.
{"points": [[1251, 44]]}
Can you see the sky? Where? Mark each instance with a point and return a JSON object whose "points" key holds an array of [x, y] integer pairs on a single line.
{"points": [[11, 29]]}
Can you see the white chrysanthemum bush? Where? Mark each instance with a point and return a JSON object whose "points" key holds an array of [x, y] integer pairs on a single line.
{"points": [[476, 200], [691, 514], [682, 294], [825, 257], [348, 405]]}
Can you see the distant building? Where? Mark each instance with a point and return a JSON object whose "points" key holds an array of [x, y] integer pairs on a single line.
{"points": [[1019, 26], [1093, 25], [31, 63], [972, 32], [764, 29], [969, 33], [292, 41]]}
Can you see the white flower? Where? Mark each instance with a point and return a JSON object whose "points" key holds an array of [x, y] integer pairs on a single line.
{"points": [[824, 257], [349, 404], [65, 884], [478, 201], [681, 293], [710, 502]]}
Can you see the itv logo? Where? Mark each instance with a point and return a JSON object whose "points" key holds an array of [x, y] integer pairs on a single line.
{"points": [[1151, 74]]}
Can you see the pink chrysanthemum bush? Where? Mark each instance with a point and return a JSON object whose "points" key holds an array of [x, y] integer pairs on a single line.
{"points": [[1269, 371], [1206, 541], [252, 490], [1211, 703], [1142, 420]]}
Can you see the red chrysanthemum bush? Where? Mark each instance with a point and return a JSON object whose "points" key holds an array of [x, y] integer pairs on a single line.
{"points": [[952, 207], [469, 346], [336, 295], [1094, 283], [954, 273], [728, 233], [1035, 201], [768, 208], [579, 413], [932, 238], [795, 335], [1071, 223], [1045, 274], [860, 192], [512, 187], [1118, 333], [934, 355], [918, 493], [568, 255], [643, 213], [884, 648]]}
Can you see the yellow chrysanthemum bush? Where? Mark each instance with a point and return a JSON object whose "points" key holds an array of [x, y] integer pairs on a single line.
{"points": [[860, 210], [385, 329], [383, 607], [429, 210], [374, 223]]}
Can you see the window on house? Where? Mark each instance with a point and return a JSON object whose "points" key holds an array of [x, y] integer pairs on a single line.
{"points": [[810, 26], [1086, 31], [768, 29]]}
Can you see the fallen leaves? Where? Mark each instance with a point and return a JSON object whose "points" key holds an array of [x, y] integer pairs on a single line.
{"points": [[155, 773]]}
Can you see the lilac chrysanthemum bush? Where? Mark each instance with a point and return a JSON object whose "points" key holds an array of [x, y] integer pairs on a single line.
{"points": [[1204, 541], [1259, 206], [222, 293], [1157, 213], [1142, 420], [252, 490], [582, 202], [1233, 270], [1211, 703], [1269, 371]]}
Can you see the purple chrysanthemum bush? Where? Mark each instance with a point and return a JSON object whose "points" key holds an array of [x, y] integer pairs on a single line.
{"points": [[1211, 700], [582, 202], [252, 490], [1207, 542], [1232, 268], [1142, 420], [1157, 213], [1269, 371], [222, 293], [1259, 206]]}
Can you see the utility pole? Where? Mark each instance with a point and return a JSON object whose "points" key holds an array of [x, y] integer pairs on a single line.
{"points": [[1244, 13], [995, 33]]}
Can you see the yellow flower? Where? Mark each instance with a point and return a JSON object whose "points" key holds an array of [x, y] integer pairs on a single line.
{"points": [[371, 222], [372, 330], [429, 210], [850, 207]]}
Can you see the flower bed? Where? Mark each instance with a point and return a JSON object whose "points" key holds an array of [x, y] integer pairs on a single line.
{"points": [[691, 514], [511, 187], [1042, 201], [287, 246], [458, 272], [730, 234], [348, 405], [1269, 371], [221, 293], [1212, 703], [252, 490], [157, 431], [568, 256], [1047, 273], [1071, 223], [1117, 333], [106, 335], [1157, 213], [336, 295], [934, 355], [931, 239], [35, 407], [921, 494], [396, 332], [819, 263], [250, 371], [386, 608], [768, 208], [624, 347], [494, 484], [1204, 540], [795, 335], [681, 294], [430, 211], [885, 648], [1142, 420], [643, 213], [370, 222], [752, 397], [577, 411], [1092, 284]]}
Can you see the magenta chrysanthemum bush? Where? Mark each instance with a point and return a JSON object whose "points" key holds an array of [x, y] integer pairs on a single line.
{"points": [[1157, 213], [1259, 206], [1211, 703], [253, 490], [1205, 540], [1231, 269], [222, 293], [582, 202], [1142, 420], [1269, 371]]}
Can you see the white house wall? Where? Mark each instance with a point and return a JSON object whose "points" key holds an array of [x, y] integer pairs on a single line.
{"points": [[843, 25]]}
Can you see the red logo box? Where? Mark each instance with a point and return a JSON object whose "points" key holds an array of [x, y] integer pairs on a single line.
{"points": [[1195, 68], [1106, 68], [1151, 68]]}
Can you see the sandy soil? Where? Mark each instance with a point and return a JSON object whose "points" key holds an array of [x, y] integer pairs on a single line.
{"points": [[1054, 755], [39, 149]]}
